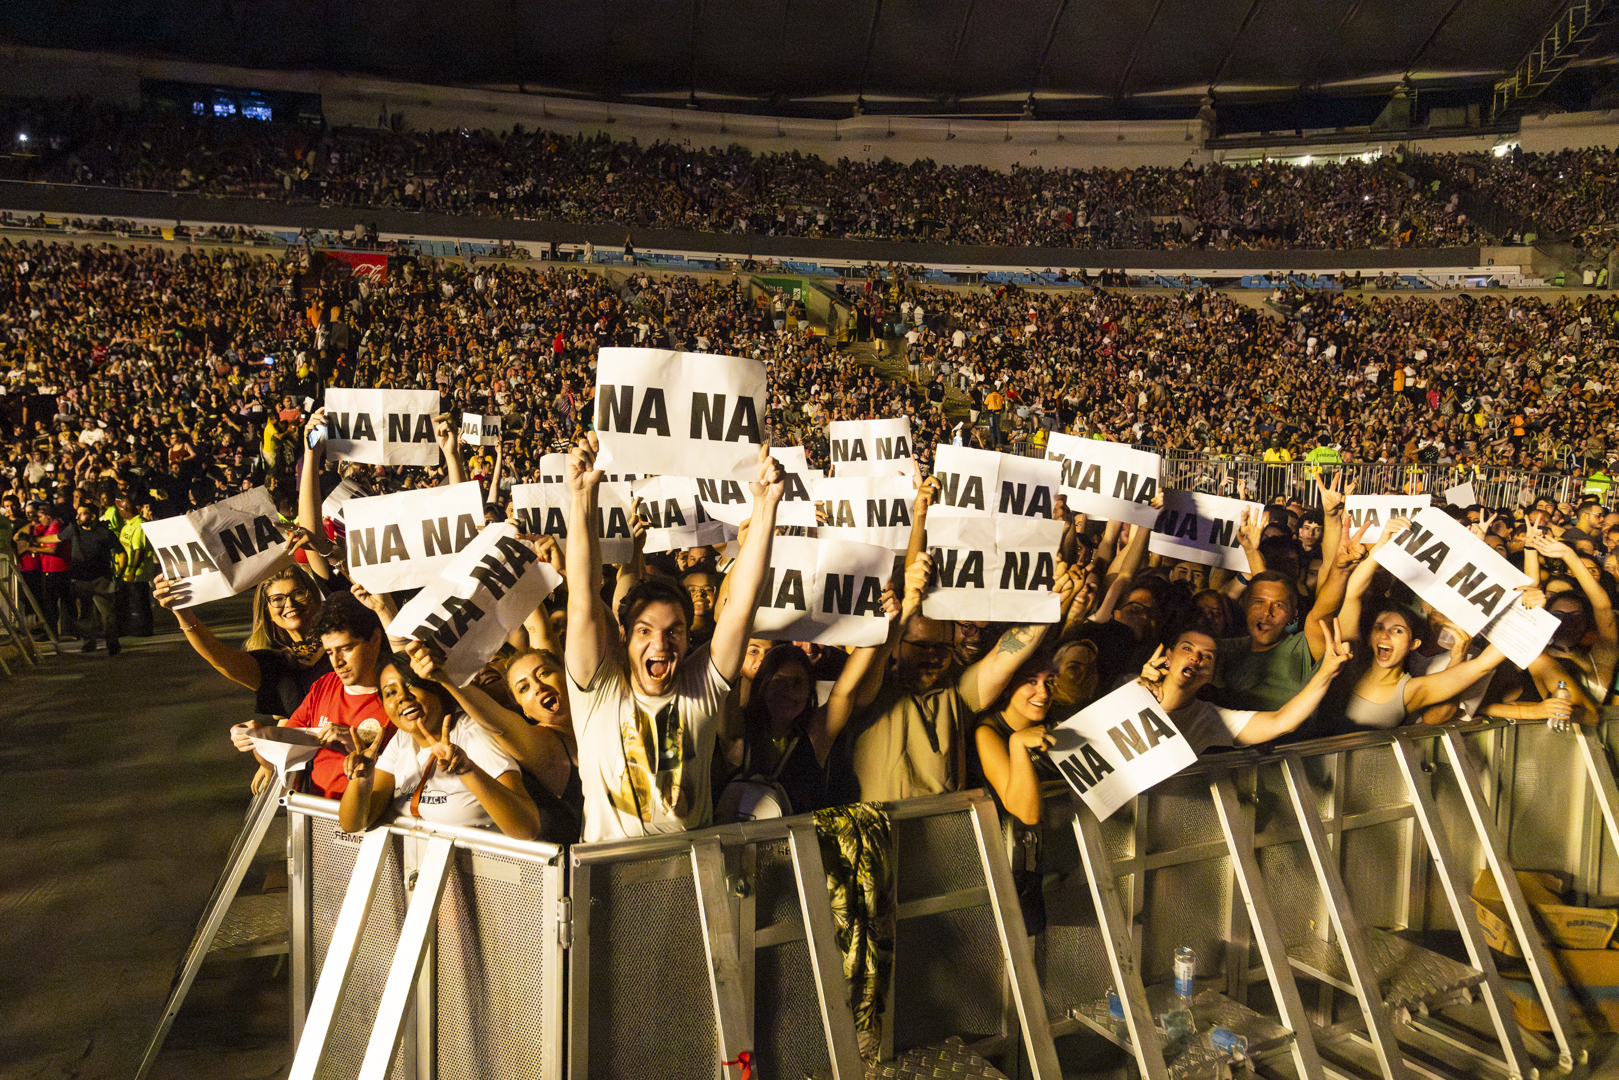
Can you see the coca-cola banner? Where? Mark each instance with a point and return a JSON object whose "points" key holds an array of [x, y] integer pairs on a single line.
{"points": [[372, 265]]}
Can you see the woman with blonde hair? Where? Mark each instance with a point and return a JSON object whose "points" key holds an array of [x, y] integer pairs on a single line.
{"points": [[281, 658]]}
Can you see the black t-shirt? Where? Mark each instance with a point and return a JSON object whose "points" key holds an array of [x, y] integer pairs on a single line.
{"points": [[284, 682]]}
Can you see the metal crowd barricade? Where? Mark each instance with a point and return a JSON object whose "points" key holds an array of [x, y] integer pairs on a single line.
{"points": [[748, 905], [1308, 878], [439, 950], [1302, 876]]}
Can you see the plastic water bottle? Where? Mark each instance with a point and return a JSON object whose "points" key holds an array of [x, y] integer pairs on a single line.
{"points": [[1561, 694], [1185, 971]]}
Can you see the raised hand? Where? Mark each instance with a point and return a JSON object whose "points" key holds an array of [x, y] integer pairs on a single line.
{"points": [[1543, 543], [1481, 528], [169, 593], [360, 766], [1533, 596], [451, 758], [423, 663], [772, 480], [1154, 671], [1392, 528], [447, 434], [1335, 494], [638, 527], [381, 603], [1338, 651], [1250, 529], [316, 422], [919, 575], [890, 602], [580, 472], [547, 548], [1351, 550]]}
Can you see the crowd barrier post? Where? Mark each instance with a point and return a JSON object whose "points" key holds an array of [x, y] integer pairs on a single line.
{"points": [[341, 950], [260, 813], [1120, 944], [415, 940], [1541, 970], [826, 962], [1415, 768], [1346, 924], [1238, 829]]}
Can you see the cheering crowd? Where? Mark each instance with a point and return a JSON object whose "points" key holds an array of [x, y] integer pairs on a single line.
{"points": [[143, 382], [543, 175]]}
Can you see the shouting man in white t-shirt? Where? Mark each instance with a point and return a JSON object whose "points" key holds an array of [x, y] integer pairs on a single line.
{"points": [[646, 706]]}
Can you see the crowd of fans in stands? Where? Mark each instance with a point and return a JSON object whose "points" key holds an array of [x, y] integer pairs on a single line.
{"points": [[543, 175], [142, 381]]}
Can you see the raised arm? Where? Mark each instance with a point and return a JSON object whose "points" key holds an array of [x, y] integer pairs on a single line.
{"points": [[1360, 578], [449, 441], [827, 724], [235, 664], [983, 682], [542, 750], [1265, 726], [1425, 690], [1329, 592], [587, 641], [494, 476], [733, 623]]}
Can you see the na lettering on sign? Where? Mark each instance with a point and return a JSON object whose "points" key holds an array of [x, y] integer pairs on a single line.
{"points": [[479, 430], [1107, 480], [824, 591], [404, 540], [871, 447], [1000, 569], [1450, 568], [484, 593], [1118, 747], [985, 483], [382, 427], [221, 549], [1375, 511], [542, 510], [683, 414], [1201, 528]]}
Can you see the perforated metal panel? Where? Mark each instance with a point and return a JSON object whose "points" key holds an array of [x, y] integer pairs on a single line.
{"points": [[1295, 896], [947, 978], [332, 855], [648, 1016], [1372, 864], [1186, 904], [936, 855], [788, 1038], [1180, 813], [1075, 971], [497, 941], [1372, 780]]}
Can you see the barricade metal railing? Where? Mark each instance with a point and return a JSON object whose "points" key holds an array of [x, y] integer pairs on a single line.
{"points": [[1254, 478], [1309, 880]]}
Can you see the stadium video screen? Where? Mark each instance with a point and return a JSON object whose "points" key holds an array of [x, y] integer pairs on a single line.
{"points": [[231, 102]]}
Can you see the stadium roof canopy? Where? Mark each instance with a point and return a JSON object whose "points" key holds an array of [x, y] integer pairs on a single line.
{"points": [[947, 57]]}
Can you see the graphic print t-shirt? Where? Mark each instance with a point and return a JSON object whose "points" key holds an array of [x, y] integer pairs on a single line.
{"points": [[644, 762], [446, 799]]}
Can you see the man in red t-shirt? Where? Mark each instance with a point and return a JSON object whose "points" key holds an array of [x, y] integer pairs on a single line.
{"points": [[342, 701]]}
